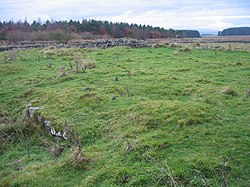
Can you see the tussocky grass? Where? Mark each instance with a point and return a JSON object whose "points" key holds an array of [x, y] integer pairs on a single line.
{"points": [[145, 117]]}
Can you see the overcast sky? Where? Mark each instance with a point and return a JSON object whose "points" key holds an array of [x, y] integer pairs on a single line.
{"points": [[203, 15]]}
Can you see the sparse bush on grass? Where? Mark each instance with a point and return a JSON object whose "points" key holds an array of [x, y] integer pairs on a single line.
{"points": [[89, 64], [78, 63], [229, 91], [77, 159], [159, 45], [238, 64], [49, 64], [49, 52], [10, 56], [167, 177], [247, 94], [185, 50], [196, 44], [63, 71], [83, 64], [13, 55], [27, 92], [173, 45]]}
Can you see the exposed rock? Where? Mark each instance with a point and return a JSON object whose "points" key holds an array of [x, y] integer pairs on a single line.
{"points": [[47, 123], [32, 110]]}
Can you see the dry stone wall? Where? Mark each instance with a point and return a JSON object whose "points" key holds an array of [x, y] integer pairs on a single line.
{"points": [[81, 44]]}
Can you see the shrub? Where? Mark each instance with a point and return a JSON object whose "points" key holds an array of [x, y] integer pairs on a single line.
{"points": [[17, 36], [60, 36]]}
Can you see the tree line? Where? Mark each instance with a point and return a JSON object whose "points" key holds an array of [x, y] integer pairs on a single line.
{"points": [[235, 31], [85, 29]]}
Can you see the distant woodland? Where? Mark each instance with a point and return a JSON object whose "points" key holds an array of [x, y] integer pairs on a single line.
{"points": [[235, 31], [85, 29]]}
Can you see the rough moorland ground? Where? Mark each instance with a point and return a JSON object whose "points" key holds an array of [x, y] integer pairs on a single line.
{"points": [[145, 117]]}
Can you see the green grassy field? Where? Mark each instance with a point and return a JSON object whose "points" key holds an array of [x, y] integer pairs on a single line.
{"points": [[145, 117]]}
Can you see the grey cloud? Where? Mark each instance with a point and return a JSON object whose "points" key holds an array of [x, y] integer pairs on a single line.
{"points": [[163, 13]]}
